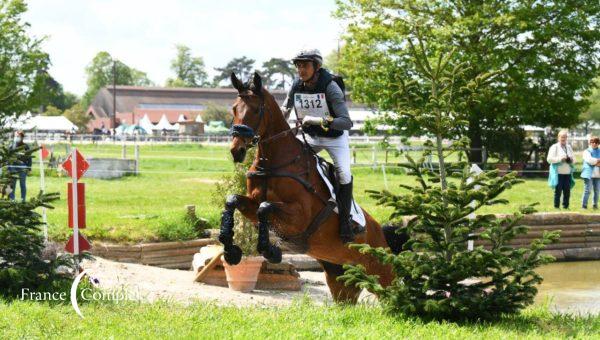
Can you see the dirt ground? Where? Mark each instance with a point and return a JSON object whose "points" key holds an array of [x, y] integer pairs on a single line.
{"points": [[152, 283]]}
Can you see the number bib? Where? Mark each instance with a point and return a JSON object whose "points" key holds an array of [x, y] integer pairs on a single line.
{"points": [[311, 105]]}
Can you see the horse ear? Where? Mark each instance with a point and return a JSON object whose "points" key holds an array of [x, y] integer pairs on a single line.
{"points": [[237, 84], [257, 81]]}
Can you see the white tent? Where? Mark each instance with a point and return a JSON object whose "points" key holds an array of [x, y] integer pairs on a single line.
{"points": [[199, 119], [181, 118], [163, 124], [146, 124], [28, 122]]}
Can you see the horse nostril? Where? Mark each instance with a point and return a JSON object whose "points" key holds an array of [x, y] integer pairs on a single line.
{"points": [[239, 154]]}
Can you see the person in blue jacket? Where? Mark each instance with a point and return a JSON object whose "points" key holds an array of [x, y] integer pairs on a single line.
{"points": [[20, 167], [591, 172], [560, 177]]}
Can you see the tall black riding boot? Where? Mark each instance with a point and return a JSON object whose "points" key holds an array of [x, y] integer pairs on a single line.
{"points": [[344, 201]]}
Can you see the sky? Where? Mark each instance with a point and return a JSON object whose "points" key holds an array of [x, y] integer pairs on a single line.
{"points": [[143, 34]]}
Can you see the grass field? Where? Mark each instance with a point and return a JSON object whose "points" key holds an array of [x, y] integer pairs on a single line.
{"points": [[303, 320], [150, 206]]}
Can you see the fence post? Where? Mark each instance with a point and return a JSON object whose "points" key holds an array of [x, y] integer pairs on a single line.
{"points": [[353, 155], [137, 159], [123, 150], [374, 156]]}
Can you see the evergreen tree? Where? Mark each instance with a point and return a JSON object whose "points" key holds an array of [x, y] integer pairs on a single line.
{"points": [[21, 241], [278, 73], [240, 66], [437, 276]]}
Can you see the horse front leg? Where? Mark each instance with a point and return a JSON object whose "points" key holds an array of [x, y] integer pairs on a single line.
{"points": [[270, 252], [233, 253]]}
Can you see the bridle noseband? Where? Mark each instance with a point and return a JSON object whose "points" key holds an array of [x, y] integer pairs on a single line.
{"points": [[245, 131]]}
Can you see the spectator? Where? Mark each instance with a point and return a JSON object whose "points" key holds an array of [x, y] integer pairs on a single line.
{"points": [[21, 167], [560, 177], [591, 172]]}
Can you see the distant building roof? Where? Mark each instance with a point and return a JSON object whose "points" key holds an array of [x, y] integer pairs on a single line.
{"points": [[138, 99]]}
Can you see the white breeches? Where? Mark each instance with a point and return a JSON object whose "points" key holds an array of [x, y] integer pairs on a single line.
{"points": [[339, 151]]}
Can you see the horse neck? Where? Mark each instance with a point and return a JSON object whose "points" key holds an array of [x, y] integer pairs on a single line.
{"points": [[275, 122], [285, 146]]}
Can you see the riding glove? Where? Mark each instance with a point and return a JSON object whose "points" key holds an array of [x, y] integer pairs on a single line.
{"points": [[312, 120]]}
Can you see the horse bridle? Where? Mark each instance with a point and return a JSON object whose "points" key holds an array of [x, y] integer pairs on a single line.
{"points": [[245, 131]]}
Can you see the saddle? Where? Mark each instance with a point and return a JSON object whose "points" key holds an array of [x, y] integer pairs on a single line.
{"points": [[329, 176]]}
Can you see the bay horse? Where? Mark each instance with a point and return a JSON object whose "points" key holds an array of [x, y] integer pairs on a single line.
{"points": [[285, 194]]}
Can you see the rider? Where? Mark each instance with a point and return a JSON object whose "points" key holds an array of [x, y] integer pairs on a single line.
{"points": [[320, 105]]}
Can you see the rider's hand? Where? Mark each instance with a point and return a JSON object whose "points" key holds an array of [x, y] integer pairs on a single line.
{"points": [[312, 120]]}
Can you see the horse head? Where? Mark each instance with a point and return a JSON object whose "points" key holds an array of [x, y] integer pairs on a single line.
{"points": [[248, 115]]}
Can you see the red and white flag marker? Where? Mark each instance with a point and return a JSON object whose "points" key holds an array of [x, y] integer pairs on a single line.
{"points": [[75, 165]]}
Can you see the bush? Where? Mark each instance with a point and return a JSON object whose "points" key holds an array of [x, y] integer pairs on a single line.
{"points": [[21, 261], [245, 233]]}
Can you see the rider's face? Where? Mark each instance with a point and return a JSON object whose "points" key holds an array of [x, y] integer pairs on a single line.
{"points": [[305, 70]]}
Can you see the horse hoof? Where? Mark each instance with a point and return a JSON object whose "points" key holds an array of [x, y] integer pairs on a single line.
{"points": [[274, 255], [233, 255]]}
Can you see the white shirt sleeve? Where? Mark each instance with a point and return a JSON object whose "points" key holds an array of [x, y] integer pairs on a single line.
{"points": [[587, 157], [553, 155]]}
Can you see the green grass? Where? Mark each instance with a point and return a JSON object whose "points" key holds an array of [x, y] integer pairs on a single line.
{"points": [[302, 320], [150, 206]]}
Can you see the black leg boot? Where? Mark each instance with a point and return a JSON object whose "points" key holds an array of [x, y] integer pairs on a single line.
{"points": [[344, 201]]}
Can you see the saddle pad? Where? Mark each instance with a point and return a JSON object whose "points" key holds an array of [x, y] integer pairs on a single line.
{"points": [[356, 211]]}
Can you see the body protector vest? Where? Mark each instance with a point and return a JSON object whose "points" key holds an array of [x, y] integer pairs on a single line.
{"points": [[314, 102]]}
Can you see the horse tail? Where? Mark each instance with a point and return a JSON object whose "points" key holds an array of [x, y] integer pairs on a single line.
{"points": [[394, 239]]}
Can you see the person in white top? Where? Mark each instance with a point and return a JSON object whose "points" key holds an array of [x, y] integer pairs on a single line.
{"points": [[591, 172], [561, 159]]}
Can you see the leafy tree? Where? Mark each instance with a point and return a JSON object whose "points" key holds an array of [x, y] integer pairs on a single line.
{"points": [[216, 112], [189, 71], [23, 64], [332, 61], [432, 276], [52, 111], [241, 66], [100, 74], [278, 73], [51, 93], [544, 55], [592, 114], [22, 68], [78, 116]]}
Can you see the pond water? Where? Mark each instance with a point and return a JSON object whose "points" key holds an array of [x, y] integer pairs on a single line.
{"points": [[572, 287]]}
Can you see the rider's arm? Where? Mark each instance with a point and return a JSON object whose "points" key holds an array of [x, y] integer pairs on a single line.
{"points": [[587, 157], [287, 106], [338, 106]]}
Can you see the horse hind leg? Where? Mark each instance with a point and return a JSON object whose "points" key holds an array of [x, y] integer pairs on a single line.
{"points": [[339, 292], [270, 252]]}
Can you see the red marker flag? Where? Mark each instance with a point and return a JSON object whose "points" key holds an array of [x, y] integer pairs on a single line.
{"points": [[45, 152], [82, 165], [84, 244]]}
